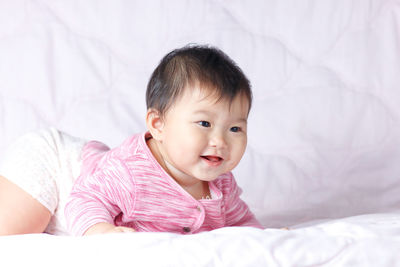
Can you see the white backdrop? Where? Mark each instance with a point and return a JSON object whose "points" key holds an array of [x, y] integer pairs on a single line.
{"points": [[324, 137]]}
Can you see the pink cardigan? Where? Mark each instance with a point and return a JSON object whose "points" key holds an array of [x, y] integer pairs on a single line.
{"points": [[126, 186]]}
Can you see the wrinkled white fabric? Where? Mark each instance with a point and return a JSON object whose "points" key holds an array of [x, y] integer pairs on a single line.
{"points": [[367, 241]]}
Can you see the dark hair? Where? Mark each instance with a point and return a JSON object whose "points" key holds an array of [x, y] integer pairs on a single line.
{"points": [[208, 66]]}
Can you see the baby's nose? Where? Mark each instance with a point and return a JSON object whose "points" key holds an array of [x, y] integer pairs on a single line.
{"points": [[218, 140]]}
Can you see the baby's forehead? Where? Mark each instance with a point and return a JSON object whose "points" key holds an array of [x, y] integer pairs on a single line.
{"points": [[215, 94], [202, 95], [206, 97]]}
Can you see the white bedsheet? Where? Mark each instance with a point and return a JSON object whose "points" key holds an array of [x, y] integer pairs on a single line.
{"points": [[368, 240], [324, 131]]}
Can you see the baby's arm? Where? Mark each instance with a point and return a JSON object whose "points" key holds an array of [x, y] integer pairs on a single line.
{"points": [[86, 208], [97, 199]]}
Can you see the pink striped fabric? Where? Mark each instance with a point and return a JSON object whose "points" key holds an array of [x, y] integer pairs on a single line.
{"points": [[126, 186]]}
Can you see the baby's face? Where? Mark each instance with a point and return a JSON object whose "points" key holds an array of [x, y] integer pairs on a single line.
{"points": [[203, 137]]}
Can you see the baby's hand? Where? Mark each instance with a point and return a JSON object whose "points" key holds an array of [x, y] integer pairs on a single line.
{"points": [[120, 229], [105, 228]]}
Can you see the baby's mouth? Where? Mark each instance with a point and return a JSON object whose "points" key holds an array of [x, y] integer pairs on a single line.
{"points": [[212, 160]]}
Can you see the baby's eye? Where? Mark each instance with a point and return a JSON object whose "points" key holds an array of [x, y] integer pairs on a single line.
{"points": [[235, 129], [204, 123]]}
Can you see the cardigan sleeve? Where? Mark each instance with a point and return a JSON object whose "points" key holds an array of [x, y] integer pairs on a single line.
{"points": [[99, 197], [236, 210]]}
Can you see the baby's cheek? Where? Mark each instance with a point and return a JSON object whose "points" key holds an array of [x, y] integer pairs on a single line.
{"points": [[237, 156]]}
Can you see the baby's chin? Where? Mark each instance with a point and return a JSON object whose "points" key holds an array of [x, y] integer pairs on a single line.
{"points": [[210, 178], [210, 175]]}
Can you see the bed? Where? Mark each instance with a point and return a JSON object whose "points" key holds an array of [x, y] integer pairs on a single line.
{"points": [[324, 131]]}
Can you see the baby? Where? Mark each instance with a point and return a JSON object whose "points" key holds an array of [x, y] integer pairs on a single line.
{"points": [[173, 178]]}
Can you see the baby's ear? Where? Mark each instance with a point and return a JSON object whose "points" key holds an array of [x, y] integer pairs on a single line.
{"points": [[154, 123]]}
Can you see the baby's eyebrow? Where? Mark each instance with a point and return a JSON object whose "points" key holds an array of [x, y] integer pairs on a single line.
{"points": [[203, 112], [242, 120], [211, 114]]}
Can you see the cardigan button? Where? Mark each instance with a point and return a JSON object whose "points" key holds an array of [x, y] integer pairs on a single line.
{"points": [[186, 229]]}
